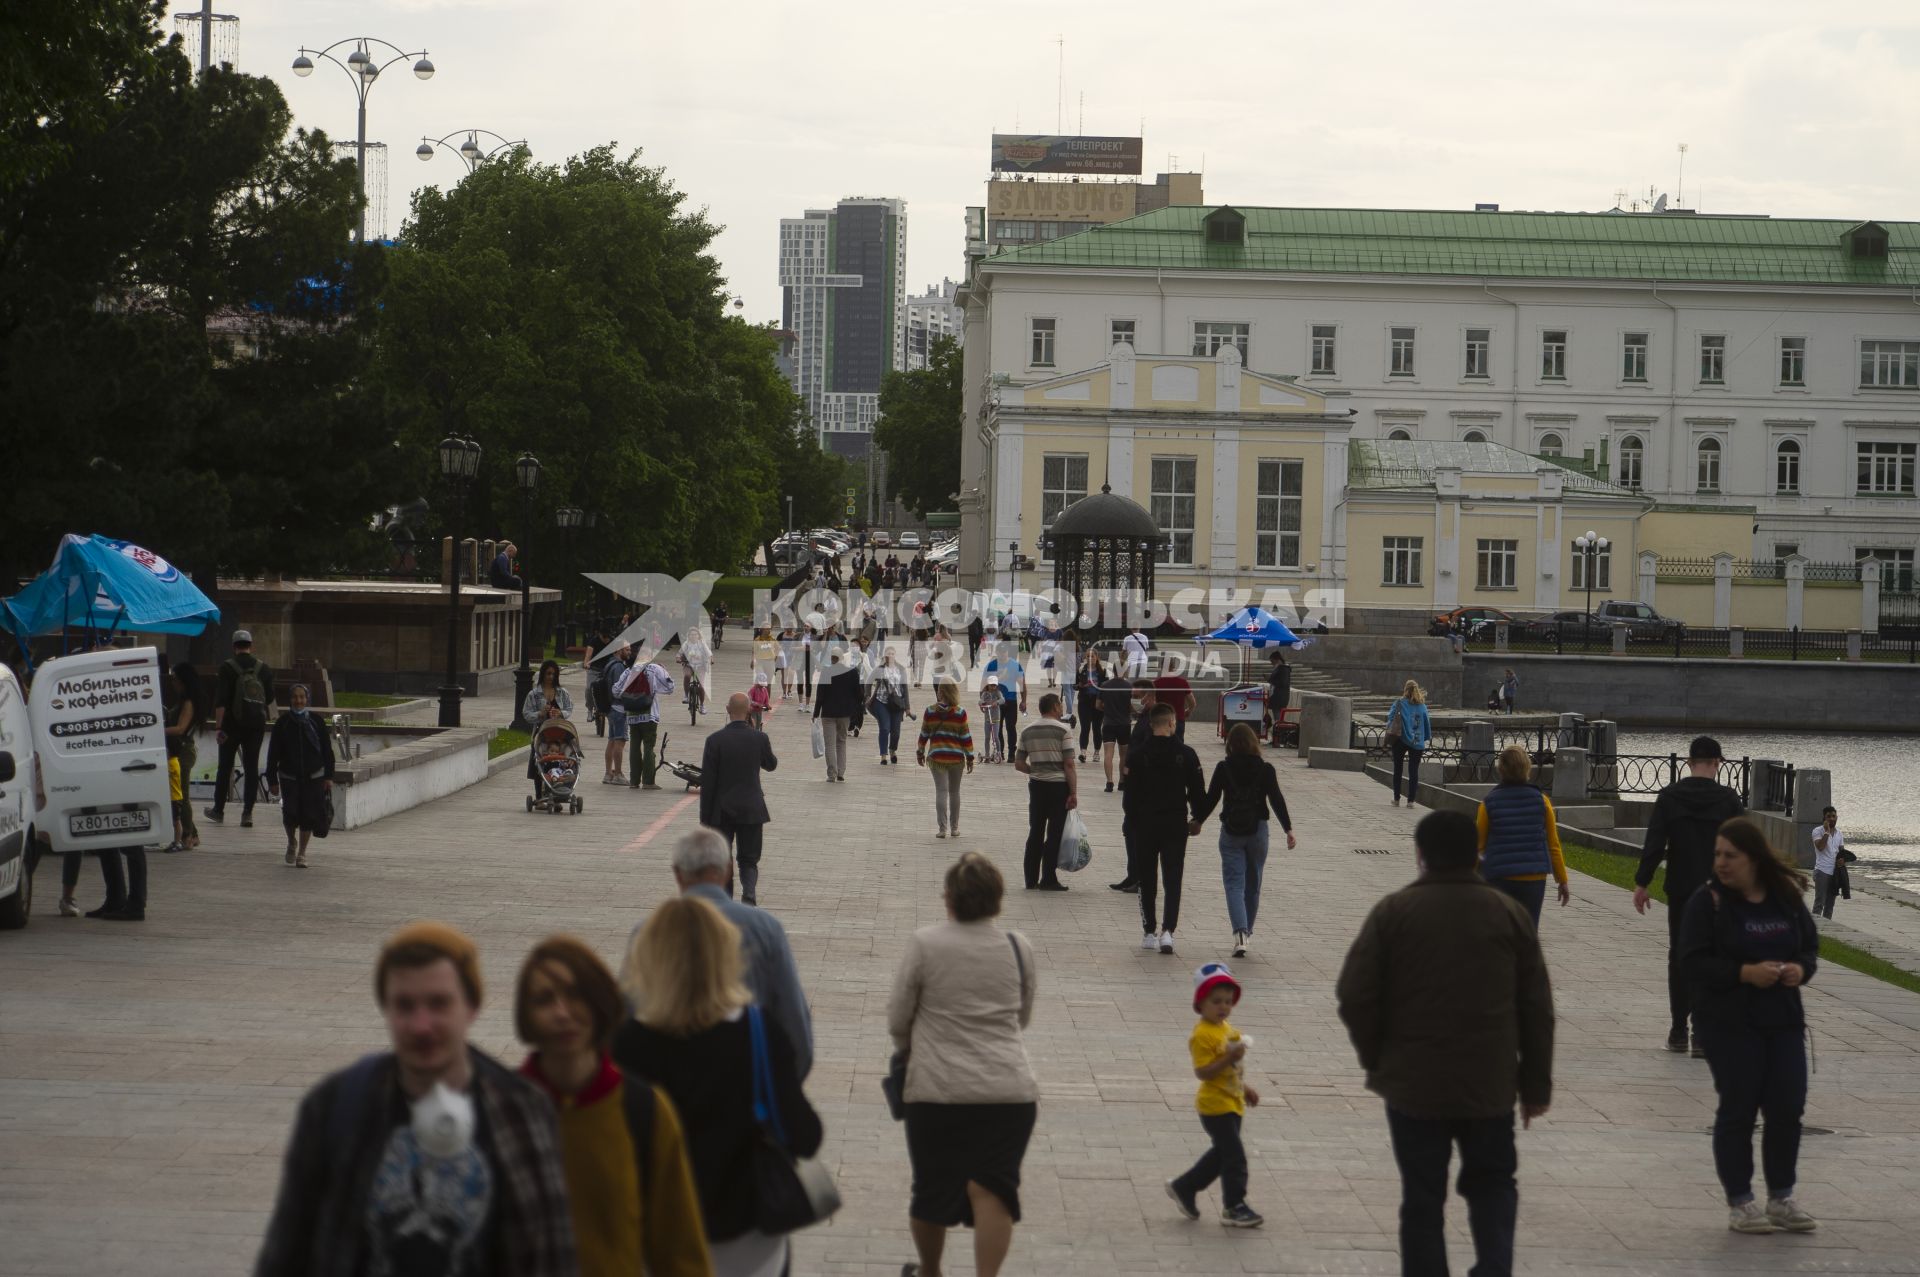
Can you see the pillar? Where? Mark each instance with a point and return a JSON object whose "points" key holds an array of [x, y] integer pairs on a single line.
{"points": [[1604, 744], [1569, 732], [1326, 722], [1476, 751], [1736, 641], [1499, 636], [1649, 575], [1619, 639], [1722, 590], [1870, 596], [1812, 790], [1569, 775], [1853, 645], [1796, 590]]}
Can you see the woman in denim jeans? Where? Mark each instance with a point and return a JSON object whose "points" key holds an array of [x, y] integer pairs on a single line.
{"points": [[1409, 712], [889, 705], [1245, 787]]}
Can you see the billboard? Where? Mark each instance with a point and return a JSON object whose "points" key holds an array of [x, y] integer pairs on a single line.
{"points": [[1061, 201], [1048, 153]]}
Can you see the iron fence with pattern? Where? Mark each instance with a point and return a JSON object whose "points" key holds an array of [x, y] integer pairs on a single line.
{"points": [[1651, 773]]}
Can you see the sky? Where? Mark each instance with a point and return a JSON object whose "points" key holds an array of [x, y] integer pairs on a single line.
{"points": [[760, 109]]}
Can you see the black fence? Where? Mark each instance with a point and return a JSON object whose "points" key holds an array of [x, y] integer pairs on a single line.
{"points": [[1900, 643], [1651, 773]]}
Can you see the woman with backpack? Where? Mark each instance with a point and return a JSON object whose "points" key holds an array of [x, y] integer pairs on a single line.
{"points": [[1747, 945], [1409, 732], [300, 774], [625, 1157], [1245, 787], [1519, 837], [697, 1035]]}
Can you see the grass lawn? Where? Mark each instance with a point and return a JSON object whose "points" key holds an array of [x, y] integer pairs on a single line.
{"points": [[505, 742], [738, 593], [365, 700], [1618, 870]]}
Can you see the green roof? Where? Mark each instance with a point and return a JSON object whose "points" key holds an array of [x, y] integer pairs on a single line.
{"points": [[1408, 464], [1637, 246]]}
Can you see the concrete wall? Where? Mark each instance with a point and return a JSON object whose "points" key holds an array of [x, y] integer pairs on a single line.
{"points": [[408, 775], [1384, 662], [1640, 691]]}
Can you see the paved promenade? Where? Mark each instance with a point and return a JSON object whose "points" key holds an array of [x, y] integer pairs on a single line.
{"points": [[148, 1074]]}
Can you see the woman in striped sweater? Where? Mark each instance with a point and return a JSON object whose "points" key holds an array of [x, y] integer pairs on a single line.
{"points": [[946, 745]]}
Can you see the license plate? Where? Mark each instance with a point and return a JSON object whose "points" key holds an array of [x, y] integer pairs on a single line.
{"points": [[110, 822]]}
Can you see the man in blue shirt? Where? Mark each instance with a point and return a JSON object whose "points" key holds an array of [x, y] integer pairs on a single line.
{"points": [[1012, 675]]}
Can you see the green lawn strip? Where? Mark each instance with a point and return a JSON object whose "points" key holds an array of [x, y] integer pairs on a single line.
{"points": [[1618, 870], [737, 591], [365, 700], [505, 742]]}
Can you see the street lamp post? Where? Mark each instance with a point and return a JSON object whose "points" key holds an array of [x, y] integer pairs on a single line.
{"points": [[567, 518], [1589, 548], [363, 69], [526, 472], [459, 462], [469, 151]]}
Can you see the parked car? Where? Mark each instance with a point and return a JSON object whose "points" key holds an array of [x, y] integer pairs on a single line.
{"points": [[1474, 622], [1567, 627], [1642, 622], [909, 540], [18, 848], [880, 540]]}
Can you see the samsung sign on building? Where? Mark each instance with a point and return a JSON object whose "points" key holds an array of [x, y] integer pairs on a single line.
{"points": [[1046, 153], [1061, 201]]}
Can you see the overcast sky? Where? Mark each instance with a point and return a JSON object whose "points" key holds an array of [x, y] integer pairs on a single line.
{"points": [[760, 109]]}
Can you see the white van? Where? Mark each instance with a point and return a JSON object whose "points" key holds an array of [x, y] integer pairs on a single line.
{"points": [[99, 736], [17, 849]]}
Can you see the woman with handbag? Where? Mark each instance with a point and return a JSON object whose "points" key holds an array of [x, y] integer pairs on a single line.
{"points": [[1409, 732], [889, 705], [300, 774], [964, 992], [697, 1036]]}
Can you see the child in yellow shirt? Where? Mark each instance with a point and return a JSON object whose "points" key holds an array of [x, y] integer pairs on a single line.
{"points": [[1218, 1051]]}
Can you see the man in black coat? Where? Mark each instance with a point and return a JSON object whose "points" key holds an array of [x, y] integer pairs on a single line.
{"points": [[731, 800], [1165, 796], [1686, 819]]}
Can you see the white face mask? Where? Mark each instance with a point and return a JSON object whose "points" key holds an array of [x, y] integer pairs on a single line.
{"points": [[443, 1122]]}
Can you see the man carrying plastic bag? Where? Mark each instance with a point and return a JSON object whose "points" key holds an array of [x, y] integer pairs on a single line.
{"points": [[1045, 754]]}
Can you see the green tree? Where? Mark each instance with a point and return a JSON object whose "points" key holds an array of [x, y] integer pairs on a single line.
{"points": [[919, 428], [181, 319], [574, 311]]}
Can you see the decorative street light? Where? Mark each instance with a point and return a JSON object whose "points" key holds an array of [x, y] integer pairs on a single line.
{"points": [[1589, 547], [459, 462], [470, 150], [567, 518], [526, 473], [362, 68]]}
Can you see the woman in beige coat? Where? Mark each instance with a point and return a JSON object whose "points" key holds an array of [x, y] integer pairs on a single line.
{"points": [[964, 992]]}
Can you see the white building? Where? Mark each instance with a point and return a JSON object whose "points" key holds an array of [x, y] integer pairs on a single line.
{"points": [[843, 283], [930, 316], [1734, 363]]}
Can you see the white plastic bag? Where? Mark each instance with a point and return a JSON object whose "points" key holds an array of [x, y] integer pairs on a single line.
{"points": [[1076, 851], [819, 739]]}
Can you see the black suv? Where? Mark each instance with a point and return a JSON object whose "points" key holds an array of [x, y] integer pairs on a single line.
{"points": [[1642, 622]]}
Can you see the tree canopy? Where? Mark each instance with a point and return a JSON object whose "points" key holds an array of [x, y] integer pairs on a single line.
{"points": [[920, 429], [575, 311], [140, 207]]}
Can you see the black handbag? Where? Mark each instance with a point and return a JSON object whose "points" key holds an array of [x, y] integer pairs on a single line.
{"points": [[894, 1084], [788, 1193]]}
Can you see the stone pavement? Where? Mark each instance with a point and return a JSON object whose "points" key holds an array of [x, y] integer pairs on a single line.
{"points": [[148, 1074]]}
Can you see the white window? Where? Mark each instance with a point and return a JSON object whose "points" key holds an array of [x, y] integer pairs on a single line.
{"points": [[1172, 507], [1398, 434], [1120, 333], [1896, 568], [1890, 363], [1632, 455], [1040, 349], [1553, 354], [1602, 570], [1786, 466], [1063, 481], [1633, 357], [1400, 560], [1276, 514], [1474, 436], [1209, 337], [1884, 469], [1552, 445], [1479, 348], [1323, 351], [1499, 564], [1793, 361], [1713, 361], [1400, 352], [1707, 470]]}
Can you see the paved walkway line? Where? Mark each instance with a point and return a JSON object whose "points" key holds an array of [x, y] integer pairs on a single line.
{"points": [[665, 818]]}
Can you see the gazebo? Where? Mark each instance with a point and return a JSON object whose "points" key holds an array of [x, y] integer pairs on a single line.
{"points": [[1103, 548]]}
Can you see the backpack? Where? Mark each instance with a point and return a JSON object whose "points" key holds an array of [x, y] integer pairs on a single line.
{"points": [[641, 701], [249, 694]]}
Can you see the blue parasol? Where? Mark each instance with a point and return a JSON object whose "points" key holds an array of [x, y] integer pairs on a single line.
{"points": [[102, 584], [1252, 627]]}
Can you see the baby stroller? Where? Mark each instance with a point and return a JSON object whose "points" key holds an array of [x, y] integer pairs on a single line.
{"points": [[556, 766], [682, 770]]}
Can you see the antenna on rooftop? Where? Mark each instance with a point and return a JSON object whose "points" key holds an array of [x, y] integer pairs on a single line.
{"points": [[1620, 197], [1060, 88], [1082, 127], [1680, 187]]}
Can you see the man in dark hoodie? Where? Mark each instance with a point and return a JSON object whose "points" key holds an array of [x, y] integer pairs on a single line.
{"points": [[1165, 797], [1686, 817]]}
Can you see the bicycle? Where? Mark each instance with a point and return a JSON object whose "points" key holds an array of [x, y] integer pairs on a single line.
{"points": [[696, 698]]}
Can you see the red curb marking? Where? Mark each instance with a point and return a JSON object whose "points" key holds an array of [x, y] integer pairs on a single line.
{"points": [[661, 822]]}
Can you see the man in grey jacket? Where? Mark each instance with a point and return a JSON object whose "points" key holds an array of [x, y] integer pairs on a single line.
{"points": [[702, 867]]}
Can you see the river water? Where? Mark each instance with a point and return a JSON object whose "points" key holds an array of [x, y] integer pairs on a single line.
{"points": [[1876, 786]]}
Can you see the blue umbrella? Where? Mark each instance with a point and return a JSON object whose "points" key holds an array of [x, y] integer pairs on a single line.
{"points": [[1252, 627], [102, 584]]}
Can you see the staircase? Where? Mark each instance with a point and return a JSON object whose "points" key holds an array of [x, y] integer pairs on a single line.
{"points": [[1308, 679]]}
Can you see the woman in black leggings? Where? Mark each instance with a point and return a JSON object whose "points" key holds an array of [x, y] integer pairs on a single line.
{"points": [[1086, 701]]}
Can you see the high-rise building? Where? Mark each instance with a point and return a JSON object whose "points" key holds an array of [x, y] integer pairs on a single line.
{"points": [[931, 316], [843, 281]]}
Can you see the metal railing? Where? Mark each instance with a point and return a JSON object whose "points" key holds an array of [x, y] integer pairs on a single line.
{"points": [[1539, 742], [1894, 643], [1777, 788], [1651, 773]]}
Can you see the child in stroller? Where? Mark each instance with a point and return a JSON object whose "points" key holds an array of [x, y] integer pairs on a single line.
{"points": [[991, 704], [556, 767]]}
